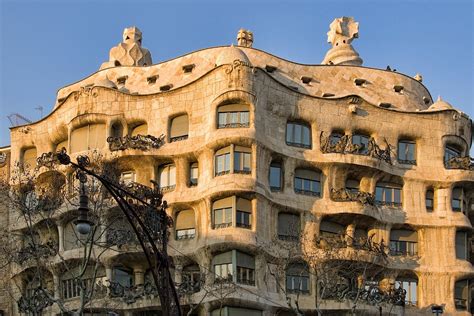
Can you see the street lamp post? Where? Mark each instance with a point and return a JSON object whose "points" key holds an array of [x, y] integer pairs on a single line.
{"points": [[134, 204]]}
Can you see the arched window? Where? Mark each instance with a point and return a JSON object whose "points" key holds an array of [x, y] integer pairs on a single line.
{"points": [[407, 152], [225, 210], [29, 158], [289, 226], [298, 134], [167, 177], [307, 182], [388, 194], [297, 278], [233, 116], [141, 129], [361, 142], [275, 176], [239, 157], [122, 277], [72, 280], [116, 130], [88, 137], [403, 242], [185, 225], [452, 151], [234, 265], [179, 128], [429, 200]]}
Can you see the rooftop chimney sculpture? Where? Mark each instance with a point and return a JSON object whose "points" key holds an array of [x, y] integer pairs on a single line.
{"points": [[342, 32]]}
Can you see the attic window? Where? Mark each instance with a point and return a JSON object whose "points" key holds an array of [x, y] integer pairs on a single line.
{"points": [[293, 88], [188, 68], [166, 87], [122, 80], [359, 81], [426, 100], [270, 68], [306, 80], [398, 88], [61, 100], [152, 79], [117, 63], [385, 105], [328, 95]]}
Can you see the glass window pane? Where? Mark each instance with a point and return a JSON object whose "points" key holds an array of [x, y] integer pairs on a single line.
{"points": [[298, 183], [237, 161], [227, 162], [275, 174], [247, 161], [397, 196], [298, 134], [306, 138], [289, 133]]}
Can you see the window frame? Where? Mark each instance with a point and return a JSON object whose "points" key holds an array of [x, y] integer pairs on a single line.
{"points": [[276, 165], [232, 155], [407, 143], [178, 137], [427, 198], [243, 120], [364, 151], [393, 188], [292, 142], [193, 181], [303, 191], [234, 214], [167, 167]]}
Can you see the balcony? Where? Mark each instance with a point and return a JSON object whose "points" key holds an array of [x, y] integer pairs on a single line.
{"points": [[464, 163], [345, 195]]}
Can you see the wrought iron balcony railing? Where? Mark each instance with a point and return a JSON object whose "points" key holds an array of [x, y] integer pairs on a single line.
{"points": [[345, 195], [131, 294], [344, 145], [465, 163], [140, 142]]}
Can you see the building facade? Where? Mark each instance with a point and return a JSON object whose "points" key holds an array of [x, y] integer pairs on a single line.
{"points": [[259, 155]]}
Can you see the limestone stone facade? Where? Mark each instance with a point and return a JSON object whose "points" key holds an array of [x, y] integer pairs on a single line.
{"points": [[243, 126]]}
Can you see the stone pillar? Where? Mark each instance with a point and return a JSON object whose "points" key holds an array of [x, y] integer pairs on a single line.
{"points": [[56, 285], [182, 173], [350, 233], [61, 236], [108, 273]]}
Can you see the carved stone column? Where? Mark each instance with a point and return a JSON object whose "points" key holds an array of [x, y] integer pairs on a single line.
{"points": [[178, 273], [61, 236], [139, 275], [56, 285]]}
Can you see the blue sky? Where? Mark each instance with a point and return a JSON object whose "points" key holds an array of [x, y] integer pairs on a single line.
{"points": [[48, 44]]}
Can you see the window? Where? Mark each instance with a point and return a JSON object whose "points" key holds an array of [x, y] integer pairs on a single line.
{"points": [[237, 156], [457, 200], [450, 152], [141, 129], [29, 158], [222, 161], [179, 128], [122, 276], [298, 135], [275, 176], [235, 266], [167, 176], [461, 294], [223, 212], [297, 278], [116, 130], [352, 186], [411, 287], [429, 200], [233, 116], [289, 226], [388, 194], [88, 137], [127, 177], [191, 278], [185, 225], [361, 142], [335, 137], [307, 182], [330, 229], [242, 159], [461, 245], [403, 242], [407, 152], [193, 174], [72, 280]]}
